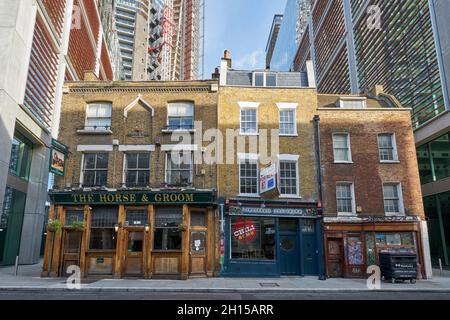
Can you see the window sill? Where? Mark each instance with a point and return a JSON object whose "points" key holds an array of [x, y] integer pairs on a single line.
{"points": [[394, 214], [177, 130], [96, 132], [248, 134], [389, 161], [289, 196], [249, 195], [288, 135], [347, 215], [343, 162]]}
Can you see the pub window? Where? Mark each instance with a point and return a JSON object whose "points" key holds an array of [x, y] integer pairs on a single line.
{"points": [[248, 178], [253, 238], [74, 216], [137, 169], [179, 168], [103, 233], [95, 169], [167, 228], [136, 217], [180, 116], [198, 219], [98, 116]]}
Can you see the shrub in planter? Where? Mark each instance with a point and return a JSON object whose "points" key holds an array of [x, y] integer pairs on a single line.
{"points": [[54, 225], [182, 227], [77, 226]]}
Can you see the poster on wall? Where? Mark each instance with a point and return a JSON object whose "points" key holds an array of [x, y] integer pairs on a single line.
{"points": [[244, 230], [355, 252], [267, 179], [58, 157]]}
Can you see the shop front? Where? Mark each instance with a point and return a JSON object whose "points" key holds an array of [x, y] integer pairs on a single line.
{"points": [[351, 247], [271, 238], [153, 234]]}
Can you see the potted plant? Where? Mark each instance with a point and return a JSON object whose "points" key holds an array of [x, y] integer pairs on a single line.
{"points": [[77, 226], [182, 227], [54, 225]]}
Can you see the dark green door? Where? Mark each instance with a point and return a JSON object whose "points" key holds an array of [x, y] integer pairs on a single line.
{"points": [[289, 255], [11, 225]]}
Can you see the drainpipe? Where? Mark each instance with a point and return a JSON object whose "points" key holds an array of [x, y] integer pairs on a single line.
{"points": [[320, 237]]}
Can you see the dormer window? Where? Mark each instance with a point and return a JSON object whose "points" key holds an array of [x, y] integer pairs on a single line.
{"points": [[264, 79], [352, 103]]}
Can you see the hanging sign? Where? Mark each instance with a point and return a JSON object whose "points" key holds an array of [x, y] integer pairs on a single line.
{"points": [[267, 179], [58, 157]]}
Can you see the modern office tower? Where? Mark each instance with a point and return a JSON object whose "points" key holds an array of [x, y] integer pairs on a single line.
{"points": [[404, 47], [273, 36], [106, 9], [291, 31], [44, 43]]}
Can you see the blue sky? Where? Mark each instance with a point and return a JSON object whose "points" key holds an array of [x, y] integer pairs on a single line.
{"points": [[241, 26]]}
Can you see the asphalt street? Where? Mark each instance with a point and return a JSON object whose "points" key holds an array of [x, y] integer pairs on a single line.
{"points": [[117, 295]]}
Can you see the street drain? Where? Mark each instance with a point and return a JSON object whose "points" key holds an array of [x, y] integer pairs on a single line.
{"points": [[269, 284]]}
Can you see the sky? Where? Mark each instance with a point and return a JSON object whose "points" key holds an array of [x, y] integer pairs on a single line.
{"points": [[242, 27]]}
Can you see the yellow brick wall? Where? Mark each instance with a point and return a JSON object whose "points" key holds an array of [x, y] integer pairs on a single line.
{"points": [[268, 118], [121, 94]]}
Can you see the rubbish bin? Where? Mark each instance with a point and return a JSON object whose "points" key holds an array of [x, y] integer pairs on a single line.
{"points": [[398, 266]]}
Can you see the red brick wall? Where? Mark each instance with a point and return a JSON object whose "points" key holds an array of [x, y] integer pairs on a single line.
{"points": [[366, 172]]}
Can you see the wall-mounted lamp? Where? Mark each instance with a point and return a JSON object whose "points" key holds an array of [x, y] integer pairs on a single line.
{"points": [[147, 228], [116, 227]]}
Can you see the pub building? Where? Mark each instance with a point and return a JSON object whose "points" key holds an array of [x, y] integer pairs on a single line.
{"points": [[133, 202]]}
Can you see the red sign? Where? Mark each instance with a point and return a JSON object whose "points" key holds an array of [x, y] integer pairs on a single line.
{"points": [[244, 230]]}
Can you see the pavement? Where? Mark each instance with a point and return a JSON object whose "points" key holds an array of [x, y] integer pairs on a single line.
{"points": [[29, 279]]}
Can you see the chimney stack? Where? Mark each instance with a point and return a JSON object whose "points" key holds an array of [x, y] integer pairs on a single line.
{"points": [[226, 57]]}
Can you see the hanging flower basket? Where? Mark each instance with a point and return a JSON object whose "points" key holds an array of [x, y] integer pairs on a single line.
{"points": [[77, 226], [182, 227], [54, 226]]}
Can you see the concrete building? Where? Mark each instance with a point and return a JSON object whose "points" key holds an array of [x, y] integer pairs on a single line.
{"points": [[38, 54], [372, 200], [356, 45], [146, 203]]}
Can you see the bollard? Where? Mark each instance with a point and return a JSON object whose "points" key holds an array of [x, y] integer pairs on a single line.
{"points": [[440, 266], [16, 266]]}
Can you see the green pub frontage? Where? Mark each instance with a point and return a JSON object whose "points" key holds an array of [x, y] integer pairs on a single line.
{"points": [[271, 238], [145, 234]]}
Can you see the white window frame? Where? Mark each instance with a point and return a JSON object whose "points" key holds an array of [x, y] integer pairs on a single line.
{"points": [[394, 146], [342, 100], [352, 190], [350, 158], [125, 165], [282, 106], [252, 158], [98, 128], [191, 178], [248, 106], [82, 166], [401, 206], [264, 73], [289, 158], [168, 129]]}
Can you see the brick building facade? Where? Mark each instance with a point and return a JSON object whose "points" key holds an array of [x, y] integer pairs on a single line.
{"points": [[143, 212], [371, 189]]}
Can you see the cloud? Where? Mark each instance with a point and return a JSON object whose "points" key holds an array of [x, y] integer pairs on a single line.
{"points": [[252, 60]]}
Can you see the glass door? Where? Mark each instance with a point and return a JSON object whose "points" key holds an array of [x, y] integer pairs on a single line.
{"points": [[198, 243]]}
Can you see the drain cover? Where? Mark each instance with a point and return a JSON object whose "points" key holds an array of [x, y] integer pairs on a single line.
{"points": [[269, 284]]}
